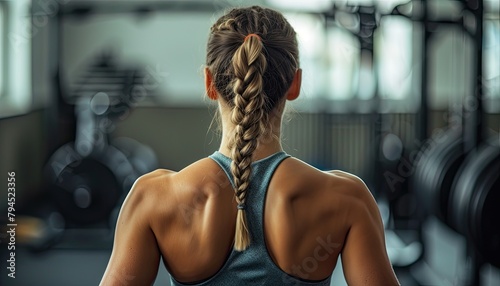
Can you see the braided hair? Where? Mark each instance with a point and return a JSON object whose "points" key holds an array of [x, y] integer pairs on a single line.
{"points": [[252, 54]]}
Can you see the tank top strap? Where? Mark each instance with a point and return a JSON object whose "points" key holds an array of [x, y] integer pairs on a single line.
{"points": [[262, 172], [268, 164]]}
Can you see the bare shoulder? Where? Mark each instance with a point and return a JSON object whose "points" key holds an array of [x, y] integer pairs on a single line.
{"points": [[339, 190], [151, 182], [364, 258], [346, 177], [146, 191], [335, 182], [350, 185], [151, 179], [161, 192]]}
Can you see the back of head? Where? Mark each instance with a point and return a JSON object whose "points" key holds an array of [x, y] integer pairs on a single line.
{"points": [[278, 45], [252, 55]]}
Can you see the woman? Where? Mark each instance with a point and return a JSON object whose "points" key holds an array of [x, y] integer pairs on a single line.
{"points": [[292, 220]]}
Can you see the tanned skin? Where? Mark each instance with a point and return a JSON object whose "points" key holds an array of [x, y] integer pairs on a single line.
{"points": [[187, 218]]}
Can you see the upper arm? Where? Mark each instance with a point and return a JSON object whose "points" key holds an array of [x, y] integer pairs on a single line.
{"points": [[364, 256], [135, 256]]}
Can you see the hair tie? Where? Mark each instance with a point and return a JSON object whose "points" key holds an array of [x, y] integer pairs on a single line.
{"points": [[241, 206], [252, 35]]}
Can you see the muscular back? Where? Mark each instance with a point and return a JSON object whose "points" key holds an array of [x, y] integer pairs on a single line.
{"points": [[310, 218]]}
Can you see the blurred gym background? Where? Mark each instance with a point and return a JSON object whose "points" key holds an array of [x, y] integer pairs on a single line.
{"points": [[403, 93]]}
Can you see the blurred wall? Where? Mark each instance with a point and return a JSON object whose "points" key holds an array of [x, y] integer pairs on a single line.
{"points": [[23, 150], [179, 136]]}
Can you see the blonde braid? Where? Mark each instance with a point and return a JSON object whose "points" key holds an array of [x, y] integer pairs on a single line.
{"points": [[248, 116], [252, 76]]}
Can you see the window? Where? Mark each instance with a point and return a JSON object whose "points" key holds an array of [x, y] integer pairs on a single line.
{"points": [[451, 56], [311, 41], [394, 54], [491, 58], [15, 57], [343, 54]]}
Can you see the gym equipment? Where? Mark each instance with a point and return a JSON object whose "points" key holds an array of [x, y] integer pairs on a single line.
{"points": [[438, 164], [473, 206], [91, 176], [86, 189], [387, 147], [443, 153], [460, 174]]}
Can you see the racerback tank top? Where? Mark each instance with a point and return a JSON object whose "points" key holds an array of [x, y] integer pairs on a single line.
{"points": [[253, 266]]}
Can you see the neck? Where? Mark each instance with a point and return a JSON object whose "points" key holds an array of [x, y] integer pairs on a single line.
{"points": [[268, 144]]}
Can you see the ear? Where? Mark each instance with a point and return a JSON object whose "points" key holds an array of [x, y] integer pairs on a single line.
{"points": [[294, 90], [209, 85]]}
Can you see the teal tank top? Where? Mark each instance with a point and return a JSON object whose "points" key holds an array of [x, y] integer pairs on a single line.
{"points": [[254, 266]]}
